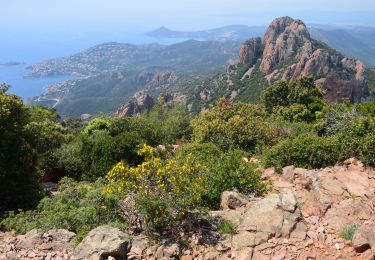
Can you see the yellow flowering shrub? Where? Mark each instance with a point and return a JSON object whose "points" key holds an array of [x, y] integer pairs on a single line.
{"points": [[165, 189]]}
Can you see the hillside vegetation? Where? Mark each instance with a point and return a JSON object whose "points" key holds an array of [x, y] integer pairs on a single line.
{"points": [[166, 163]]}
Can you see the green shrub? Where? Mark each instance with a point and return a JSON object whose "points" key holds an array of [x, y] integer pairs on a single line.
{"points": [[163, 190], [367, 150], [100, 154], [299, 100], [19, 181], [227, 227], [224, 171], [78, 207], [64, 161], [234, 125], [348, 231], [306, 151], [170, 122]]}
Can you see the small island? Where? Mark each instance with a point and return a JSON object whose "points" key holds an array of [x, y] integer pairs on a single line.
{"points": [[10, 63]]}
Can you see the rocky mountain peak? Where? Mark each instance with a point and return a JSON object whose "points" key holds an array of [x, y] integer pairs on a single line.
{"points": [[283, 39], [287, 52]]}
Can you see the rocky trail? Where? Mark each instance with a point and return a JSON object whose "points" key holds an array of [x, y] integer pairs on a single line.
{"points": [[310, 214]]}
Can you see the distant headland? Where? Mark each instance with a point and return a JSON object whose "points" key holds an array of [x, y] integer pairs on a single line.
{"points": [[10, 63]]}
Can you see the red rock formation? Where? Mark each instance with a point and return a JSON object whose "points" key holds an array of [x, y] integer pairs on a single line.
{"points": [[290, 53], [251, 51]]}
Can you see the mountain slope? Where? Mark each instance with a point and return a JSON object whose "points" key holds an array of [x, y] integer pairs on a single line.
{"points": [[344, 41], [198, 56], [115, 72], [286, 52]]}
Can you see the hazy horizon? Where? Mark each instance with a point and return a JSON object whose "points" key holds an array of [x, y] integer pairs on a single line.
{"points": [[55, 28]]}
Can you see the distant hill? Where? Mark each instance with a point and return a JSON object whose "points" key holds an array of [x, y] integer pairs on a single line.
{"points": [[286, 52], [191, 55], [230, 32], [353, 41], [113, 72], [350, 42]]}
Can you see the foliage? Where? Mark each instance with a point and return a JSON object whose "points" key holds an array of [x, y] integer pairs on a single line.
{"points": [[298, 100], [98, 126], [100, 153], [64, 161], [234, 125], [78, 207], [335, 118], [165, 189], [19, 187], [170, 122], [305, 151], [224, 171], [348, 231], [227, 227], [45, 130]]}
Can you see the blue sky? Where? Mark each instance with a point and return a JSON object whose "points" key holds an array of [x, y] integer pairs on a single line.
{"points": [[39, 29], [180, 14]]}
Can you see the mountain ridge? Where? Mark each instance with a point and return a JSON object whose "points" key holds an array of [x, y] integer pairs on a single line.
{"points": [[286, 52]]}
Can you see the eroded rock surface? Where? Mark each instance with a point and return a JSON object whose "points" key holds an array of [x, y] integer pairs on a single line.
{"points": [[288, 52]]}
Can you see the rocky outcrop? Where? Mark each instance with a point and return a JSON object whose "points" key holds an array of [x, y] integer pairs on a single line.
{"points": [[289, 53], [36, 244], [251, 51], [141, 102], [310, 214]]}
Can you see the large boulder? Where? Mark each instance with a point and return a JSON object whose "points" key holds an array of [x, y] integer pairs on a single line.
{"points": [[276, 215], [364, 239], [232, 200], [103, 242]]}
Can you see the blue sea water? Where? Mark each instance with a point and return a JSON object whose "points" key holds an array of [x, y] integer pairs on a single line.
{"points": [[25, 87], [31, 50]]}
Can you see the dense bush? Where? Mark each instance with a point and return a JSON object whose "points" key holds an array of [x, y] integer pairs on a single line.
{"points": [[100, 154], [306, 151], [78, 207], [65, 161], [164, 190], [224, 171], [19, 187], [170, 123], [298, 100], [234, 125]]}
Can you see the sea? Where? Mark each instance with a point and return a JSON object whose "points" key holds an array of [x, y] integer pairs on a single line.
{"points": [[29, 51]]}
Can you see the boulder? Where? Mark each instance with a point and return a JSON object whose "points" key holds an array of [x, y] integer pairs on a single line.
{"points": [[232, 200], [265, 215], [232, 216], [288, 200], [103, 242], [364, 239], [288, 173]]}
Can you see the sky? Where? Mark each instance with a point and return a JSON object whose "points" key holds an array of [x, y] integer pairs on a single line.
{"points": [[70, 24], [181, 14]]}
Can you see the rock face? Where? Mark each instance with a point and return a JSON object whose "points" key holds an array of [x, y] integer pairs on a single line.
{"points": [[251, 51], [141, 102], [103, 242], [288, 52]]}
